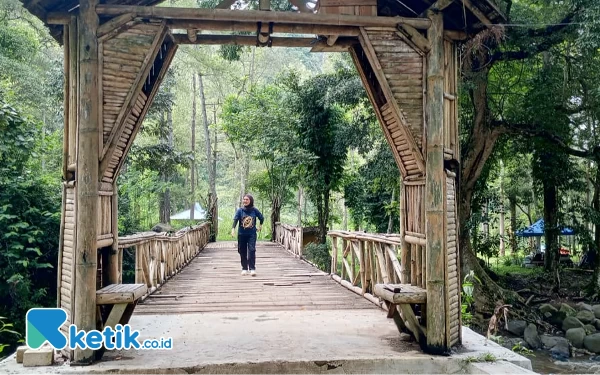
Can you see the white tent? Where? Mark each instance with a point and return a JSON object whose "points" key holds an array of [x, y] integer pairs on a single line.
{"points": [[199, 214]]}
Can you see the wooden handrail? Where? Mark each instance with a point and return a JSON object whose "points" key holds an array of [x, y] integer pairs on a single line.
{"points": [[290, 237], [368, 259], [159, 256]]}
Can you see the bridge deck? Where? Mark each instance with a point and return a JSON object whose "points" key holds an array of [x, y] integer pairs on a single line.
{"points": [[212, 283]]}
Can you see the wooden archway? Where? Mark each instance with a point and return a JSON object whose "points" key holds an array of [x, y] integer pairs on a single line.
{"points": [[117, 54]]}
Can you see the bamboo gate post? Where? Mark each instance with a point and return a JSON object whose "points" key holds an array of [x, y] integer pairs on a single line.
{"points": [[84, 313], [434, 188]]}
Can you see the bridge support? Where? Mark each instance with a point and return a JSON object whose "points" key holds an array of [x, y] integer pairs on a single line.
{"points": [[84, 314]]}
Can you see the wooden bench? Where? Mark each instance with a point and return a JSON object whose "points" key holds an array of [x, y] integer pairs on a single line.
{"points": [[115, 303], [400, 299]]}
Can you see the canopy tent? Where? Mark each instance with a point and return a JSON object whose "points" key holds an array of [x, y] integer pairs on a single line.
{"points": [[537, 230], [199, 214]]}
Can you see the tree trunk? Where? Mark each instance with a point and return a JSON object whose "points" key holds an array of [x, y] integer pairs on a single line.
{"points": [[476, 152], [212, 195], [193, 161], [513, 225], [275, 214], [300, 198], [596, 206], [325, 217], [391, 219], [551, 231], [165, 196]]}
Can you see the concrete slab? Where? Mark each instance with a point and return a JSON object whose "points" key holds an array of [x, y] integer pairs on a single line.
{"points": [[331, 341]]}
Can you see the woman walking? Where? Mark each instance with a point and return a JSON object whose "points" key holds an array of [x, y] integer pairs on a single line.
{"points": [[246, 216]]}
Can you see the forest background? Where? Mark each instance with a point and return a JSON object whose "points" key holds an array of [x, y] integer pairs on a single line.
{"points": [[297, 131]]}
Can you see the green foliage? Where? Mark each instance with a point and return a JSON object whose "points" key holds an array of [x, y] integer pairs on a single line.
{"points": [[319, 254], [467, 300], [7, 334], [29, 217], [519, 348]]}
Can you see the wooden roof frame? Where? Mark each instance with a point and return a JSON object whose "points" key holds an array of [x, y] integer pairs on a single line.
{"points": [[55, 13]]}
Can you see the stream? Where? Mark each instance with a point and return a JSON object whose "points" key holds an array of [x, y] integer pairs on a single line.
{"points": [[543, 363]]}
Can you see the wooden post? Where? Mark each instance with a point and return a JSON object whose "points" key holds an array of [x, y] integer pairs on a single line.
{"points": [[434, 188], [113, 258], [84, 315]]}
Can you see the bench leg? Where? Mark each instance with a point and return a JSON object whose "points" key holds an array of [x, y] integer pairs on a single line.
{"points": [[412, 322], [115, 315]]}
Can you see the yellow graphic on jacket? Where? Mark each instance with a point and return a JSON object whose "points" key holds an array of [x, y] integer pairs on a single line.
{"points": [[247, 222]]}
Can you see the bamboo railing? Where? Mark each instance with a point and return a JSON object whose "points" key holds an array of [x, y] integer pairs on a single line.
{"points": [[159, 256], [290, 237], [360, 260]]}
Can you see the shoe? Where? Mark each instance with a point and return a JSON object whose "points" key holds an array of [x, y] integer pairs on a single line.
{"points": [[253, 273], [244, 273]]}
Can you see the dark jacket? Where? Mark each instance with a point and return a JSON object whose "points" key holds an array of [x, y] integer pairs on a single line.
{"points": [[247, 220]]}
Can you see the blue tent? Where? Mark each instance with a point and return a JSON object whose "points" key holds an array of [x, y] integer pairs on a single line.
{"points": [[537, 230]]}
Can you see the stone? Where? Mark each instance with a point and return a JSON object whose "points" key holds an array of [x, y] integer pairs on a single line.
{"points": [[561, 351], [549, 341], [20, 351], [596, 310], [517, 327], [38, 357], [589, 329], [531, 336], [592, 343], [571, 322], [585, 316], [581, 306], [576, 336], [567, 309], [547, 308]]}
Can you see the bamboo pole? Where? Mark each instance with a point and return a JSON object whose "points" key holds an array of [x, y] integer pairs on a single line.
{"points": [[113, 259], [279, 28], [87, 178], [253, 16], [434, 201], [250, 40]]}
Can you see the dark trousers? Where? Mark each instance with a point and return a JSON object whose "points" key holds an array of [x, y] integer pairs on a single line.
{"points": [[247, 250]]}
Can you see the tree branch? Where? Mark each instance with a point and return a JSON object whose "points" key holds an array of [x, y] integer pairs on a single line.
{"points": [[534, 130], [552, 34]]}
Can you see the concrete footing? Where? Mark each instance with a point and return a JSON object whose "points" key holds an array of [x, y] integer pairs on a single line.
{"points": [[288, 342]]}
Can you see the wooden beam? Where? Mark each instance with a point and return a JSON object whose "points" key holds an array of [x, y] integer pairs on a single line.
{"points": [[434, 190], [250, 40], [390, 98], [477, 13], [415, 37], [58, 18], [84, 314], [170, 54], [132, 96], [253, 16], [440, 5], [455, 35], [282, 28], [115, 23], [331, 39]]}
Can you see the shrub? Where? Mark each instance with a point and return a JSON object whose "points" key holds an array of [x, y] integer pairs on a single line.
{"points": [[319, 254]]}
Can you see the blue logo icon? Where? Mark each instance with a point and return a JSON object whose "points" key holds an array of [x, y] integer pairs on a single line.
{"points": [[44, 325]]}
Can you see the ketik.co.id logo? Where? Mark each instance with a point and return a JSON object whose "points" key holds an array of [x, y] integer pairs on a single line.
{"points": [[43, 324]]}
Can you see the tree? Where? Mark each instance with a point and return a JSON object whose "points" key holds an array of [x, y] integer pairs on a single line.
{"points": [[263, 124]]}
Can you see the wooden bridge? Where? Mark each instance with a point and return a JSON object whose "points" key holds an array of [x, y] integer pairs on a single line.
{"points": [[117, 53]]}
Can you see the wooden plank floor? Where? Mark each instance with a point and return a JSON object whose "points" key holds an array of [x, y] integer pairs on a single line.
{"points": [[212, 282]]}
